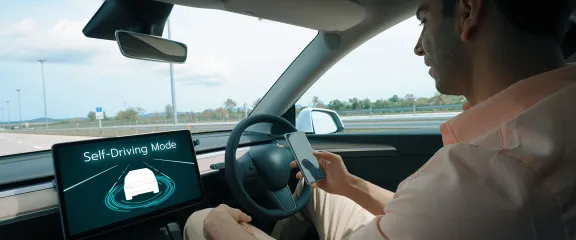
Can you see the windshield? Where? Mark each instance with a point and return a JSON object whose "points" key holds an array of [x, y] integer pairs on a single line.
{"points": [[232, 62]]}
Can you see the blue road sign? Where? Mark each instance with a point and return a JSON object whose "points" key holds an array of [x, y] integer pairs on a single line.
{"points": [[98, 109]]}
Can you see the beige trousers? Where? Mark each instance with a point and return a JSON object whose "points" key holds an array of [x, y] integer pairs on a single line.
{"points": [[334, 216]]}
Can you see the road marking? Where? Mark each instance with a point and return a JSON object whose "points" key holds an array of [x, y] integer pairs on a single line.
{"points": [[112, 186], [123, 172], [88, 178], [37, 147], [19, 142], [156, 169], [172, 161]]}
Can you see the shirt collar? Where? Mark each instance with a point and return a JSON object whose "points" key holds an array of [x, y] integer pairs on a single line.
{"points": [[478, 120]]}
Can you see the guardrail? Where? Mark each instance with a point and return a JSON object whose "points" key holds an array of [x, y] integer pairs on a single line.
{"points": [[356, 123]]}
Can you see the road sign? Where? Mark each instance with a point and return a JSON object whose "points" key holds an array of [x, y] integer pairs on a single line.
{"points": [[99, 115], [99, 109], [27, 124]]}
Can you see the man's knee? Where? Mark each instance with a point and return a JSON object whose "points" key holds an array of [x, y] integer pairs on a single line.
{"points": [[194, 228]]}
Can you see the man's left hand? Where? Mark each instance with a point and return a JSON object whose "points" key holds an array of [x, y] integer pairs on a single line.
{"points": [[224, 219]]}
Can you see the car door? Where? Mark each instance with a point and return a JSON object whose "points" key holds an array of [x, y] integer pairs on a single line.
{"points": [[383, 109]]}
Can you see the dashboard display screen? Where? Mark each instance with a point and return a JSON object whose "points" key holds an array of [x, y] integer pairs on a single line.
{"points": [[108, 183]]}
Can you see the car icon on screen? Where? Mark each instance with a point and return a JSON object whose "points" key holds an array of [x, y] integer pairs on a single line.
{"points": [[140, 181]]}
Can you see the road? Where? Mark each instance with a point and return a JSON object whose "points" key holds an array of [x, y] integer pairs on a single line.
{"points": [[11, 143]]}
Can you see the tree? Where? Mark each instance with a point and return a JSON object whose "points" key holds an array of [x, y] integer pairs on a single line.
{"points": [[438, 99], [354, 103], [381, 103], [316, 102], [394, 99], [221, 112], [91, 116], [336, 105], [366, 103], [140, 111], [130, 114], [168, 110], [256, 102], [120, 115], [105, 116], [208, 113], [230, 105], [410, 98]]}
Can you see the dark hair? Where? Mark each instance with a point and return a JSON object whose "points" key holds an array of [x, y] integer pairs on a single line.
{"points": [[541, 17]]}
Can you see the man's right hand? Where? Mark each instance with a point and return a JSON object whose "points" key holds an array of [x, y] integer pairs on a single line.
{"points": [[337, 180]]}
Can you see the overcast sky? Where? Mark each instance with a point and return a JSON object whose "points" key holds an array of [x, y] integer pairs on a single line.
{"points": [[230, 56]]}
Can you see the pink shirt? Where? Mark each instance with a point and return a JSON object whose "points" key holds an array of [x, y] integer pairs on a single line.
{"points": [[507, 171]]}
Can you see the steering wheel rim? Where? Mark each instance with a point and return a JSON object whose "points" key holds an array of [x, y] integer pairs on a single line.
{"points": [[273, 170]]}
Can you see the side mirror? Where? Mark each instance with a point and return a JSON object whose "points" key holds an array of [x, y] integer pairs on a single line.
{"points": [[319, 121], [152, 48]]}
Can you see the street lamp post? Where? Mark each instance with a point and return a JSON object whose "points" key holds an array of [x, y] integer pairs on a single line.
{"points": [[8, 111], [19, 106], [174, 111], [41, 61]]}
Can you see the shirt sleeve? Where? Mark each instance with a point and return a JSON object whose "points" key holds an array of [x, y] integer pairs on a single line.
{"points": [[467, 192]]}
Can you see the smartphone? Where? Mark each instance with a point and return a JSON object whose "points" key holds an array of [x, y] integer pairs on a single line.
{"points": [[302, 150]]}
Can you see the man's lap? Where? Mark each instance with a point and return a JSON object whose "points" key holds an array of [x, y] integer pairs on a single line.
{"points": [[334, 216]]}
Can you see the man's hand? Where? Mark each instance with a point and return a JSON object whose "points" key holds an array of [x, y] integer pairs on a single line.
{"points": [[224, 222], [338, 179]]}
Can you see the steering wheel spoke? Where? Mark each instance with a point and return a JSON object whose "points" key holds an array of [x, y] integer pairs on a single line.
{"points": [[247, 168], [283, 199]]}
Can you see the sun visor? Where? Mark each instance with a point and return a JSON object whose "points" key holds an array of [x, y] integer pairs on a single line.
{"points": [[146, 17], [324, 15]]}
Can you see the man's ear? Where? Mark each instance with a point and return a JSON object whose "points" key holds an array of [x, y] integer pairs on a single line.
{"points": [[469, 12]]}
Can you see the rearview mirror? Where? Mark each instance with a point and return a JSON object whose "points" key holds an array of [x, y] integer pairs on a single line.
{"points": [[152, 48]]}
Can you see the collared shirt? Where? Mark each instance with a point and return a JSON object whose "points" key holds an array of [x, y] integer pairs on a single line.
{"points": [[507, 171]]}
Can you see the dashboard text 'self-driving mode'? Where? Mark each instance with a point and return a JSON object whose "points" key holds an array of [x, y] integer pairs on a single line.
{"points": [[130, 151]]}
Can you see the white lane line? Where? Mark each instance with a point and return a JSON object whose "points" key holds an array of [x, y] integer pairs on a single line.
{"points": [[158, 159], [88, 178], [119, 178], [123, 172], [155, 169], [19, 142], [37, 147], [112, 186]]}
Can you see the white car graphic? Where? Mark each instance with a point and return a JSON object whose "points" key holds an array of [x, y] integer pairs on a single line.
{"points": [[140, 181]]}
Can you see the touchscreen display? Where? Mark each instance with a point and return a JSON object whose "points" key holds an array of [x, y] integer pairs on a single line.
{"points": [[106, 181]]}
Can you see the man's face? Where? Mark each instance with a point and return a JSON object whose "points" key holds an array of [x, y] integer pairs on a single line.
{"points": [[440, 45]]}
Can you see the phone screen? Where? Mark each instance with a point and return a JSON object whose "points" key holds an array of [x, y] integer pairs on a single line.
{"points": [[307, 162]]}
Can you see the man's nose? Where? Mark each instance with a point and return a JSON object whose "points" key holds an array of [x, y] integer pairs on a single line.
{"points": [[419, 50]]}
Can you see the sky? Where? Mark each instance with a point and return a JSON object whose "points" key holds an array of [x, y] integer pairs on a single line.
{"points": [[229, 56]]}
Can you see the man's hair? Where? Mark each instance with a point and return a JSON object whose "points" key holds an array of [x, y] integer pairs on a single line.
{"points": [[542, 17]]}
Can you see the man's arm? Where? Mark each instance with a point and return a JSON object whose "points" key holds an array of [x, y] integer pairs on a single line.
{"points": [[368, 195]]}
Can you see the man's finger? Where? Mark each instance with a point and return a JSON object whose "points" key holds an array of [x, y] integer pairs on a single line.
{"points": [[298, 175], [247, 227], [293, 164], [239, 216]]}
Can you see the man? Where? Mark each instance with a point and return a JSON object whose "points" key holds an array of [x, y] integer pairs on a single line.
{"points": [[508, 167]]}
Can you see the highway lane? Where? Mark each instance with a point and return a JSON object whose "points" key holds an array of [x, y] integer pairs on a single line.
{"points": [[12, 143]]}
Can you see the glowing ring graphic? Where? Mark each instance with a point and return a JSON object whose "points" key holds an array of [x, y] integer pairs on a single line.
{"points": [[166, 185]]}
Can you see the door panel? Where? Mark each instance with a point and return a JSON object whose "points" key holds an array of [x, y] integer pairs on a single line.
{"points": [[383, 158]]}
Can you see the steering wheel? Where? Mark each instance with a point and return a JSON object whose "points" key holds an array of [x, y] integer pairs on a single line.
{"points": [[269, 164]]}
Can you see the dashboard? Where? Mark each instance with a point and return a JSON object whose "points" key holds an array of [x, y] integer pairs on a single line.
{"points": [[27, 189]]}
